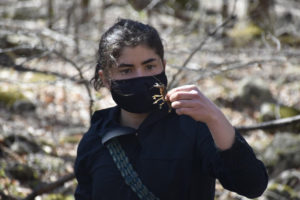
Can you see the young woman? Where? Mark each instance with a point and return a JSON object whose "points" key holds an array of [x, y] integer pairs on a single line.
{"points": [[156, 146]]}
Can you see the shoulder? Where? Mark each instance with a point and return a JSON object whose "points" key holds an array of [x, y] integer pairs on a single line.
{"points": [[97, 120], [100, 114], [91, 141]]}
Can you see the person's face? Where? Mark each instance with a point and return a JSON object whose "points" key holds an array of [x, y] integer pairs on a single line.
{"points": [[135, 62]]}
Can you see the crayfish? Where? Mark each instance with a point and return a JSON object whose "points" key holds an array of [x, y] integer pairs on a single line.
{"points": [[161, 96]]}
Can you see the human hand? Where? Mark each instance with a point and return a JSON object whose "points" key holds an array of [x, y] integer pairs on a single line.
{"points": [[188, 100]]}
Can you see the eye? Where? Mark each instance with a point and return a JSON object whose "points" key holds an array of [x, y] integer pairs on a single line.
{"points": [[125, 71], [150, 67]]}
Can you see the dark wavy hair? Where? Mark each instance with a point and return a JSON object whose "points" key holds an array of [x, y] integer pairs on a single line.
{"points": [[124, 33]]}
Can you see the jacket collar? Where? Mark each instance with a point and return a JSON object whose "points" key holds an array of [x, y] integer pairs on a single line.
{"points": [[110, 128]]}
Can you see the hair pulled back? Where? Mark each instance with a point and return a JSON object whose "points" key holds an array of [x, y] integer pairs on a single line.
{"points": [[124, 33]]}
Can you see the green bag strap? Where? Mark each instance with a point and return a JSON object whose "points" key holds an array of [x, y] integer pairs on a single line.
{"points": [[128, 173]]}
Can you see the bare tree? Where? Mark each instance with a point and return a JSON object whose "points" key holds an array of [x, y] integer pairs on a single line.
{"points": [[50, 13], [261, 13], [224, 9], [84, 10]]}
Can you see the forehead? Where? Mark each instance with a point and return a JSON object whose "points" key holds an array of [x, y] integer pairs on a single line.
{"points": [[136, 54]]}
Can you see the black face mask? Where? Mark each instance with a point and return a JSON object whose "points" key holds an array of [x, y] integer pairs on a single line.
{"points": [[135, 95]]}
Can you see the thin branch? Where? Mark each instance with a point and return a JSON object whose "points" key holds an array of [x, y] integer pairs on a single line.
{"points": [[86, 84], [234, 8], [11, 153], [253, 52], [152, 4], [234, 67], [26, 69], [199, 47], [60, 55], [33, 28], [271, 124], [21, 47], [225, 22], [50, 187], [206, 38]]}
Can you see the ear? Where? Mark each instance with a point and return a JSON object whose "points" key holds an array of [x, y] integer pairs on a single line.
{"points": [[104, 79]]}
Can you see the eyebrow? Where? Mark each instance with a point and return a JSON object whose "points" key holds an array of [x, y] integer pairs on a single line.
{"points": [[125, 65], [148, 61], [143, 63]]}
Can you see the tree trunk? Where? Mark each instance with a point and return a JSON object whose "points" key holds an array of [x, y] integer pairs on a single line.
{"points": [[224, 9], [50, 13], [102, 15], [84, 10], [261, 13]]}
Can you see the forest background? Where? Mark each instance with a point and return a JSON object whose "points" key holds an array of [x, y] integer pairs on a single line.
{"points": [[243, 54]]}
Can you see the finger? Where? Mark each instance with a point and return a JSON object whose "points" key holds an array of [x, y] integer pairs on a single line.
{"points": [[184, 104], [184, 111], [183, 95], [182, 88]]}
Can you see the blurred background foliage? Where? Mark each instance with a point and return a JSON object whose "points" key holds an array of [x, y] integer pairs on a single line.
{"points": [[243, 54]]}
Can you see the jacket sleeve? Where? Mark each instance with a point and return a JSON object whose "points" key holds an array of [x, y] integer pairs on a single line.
{"points": [[237, 168], [84, 184], [83, 190], [81, 169]]}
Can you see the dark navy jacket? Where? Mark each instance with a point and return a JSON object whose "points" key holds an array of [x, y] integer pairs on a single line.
{"points": [[174, 156]]}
